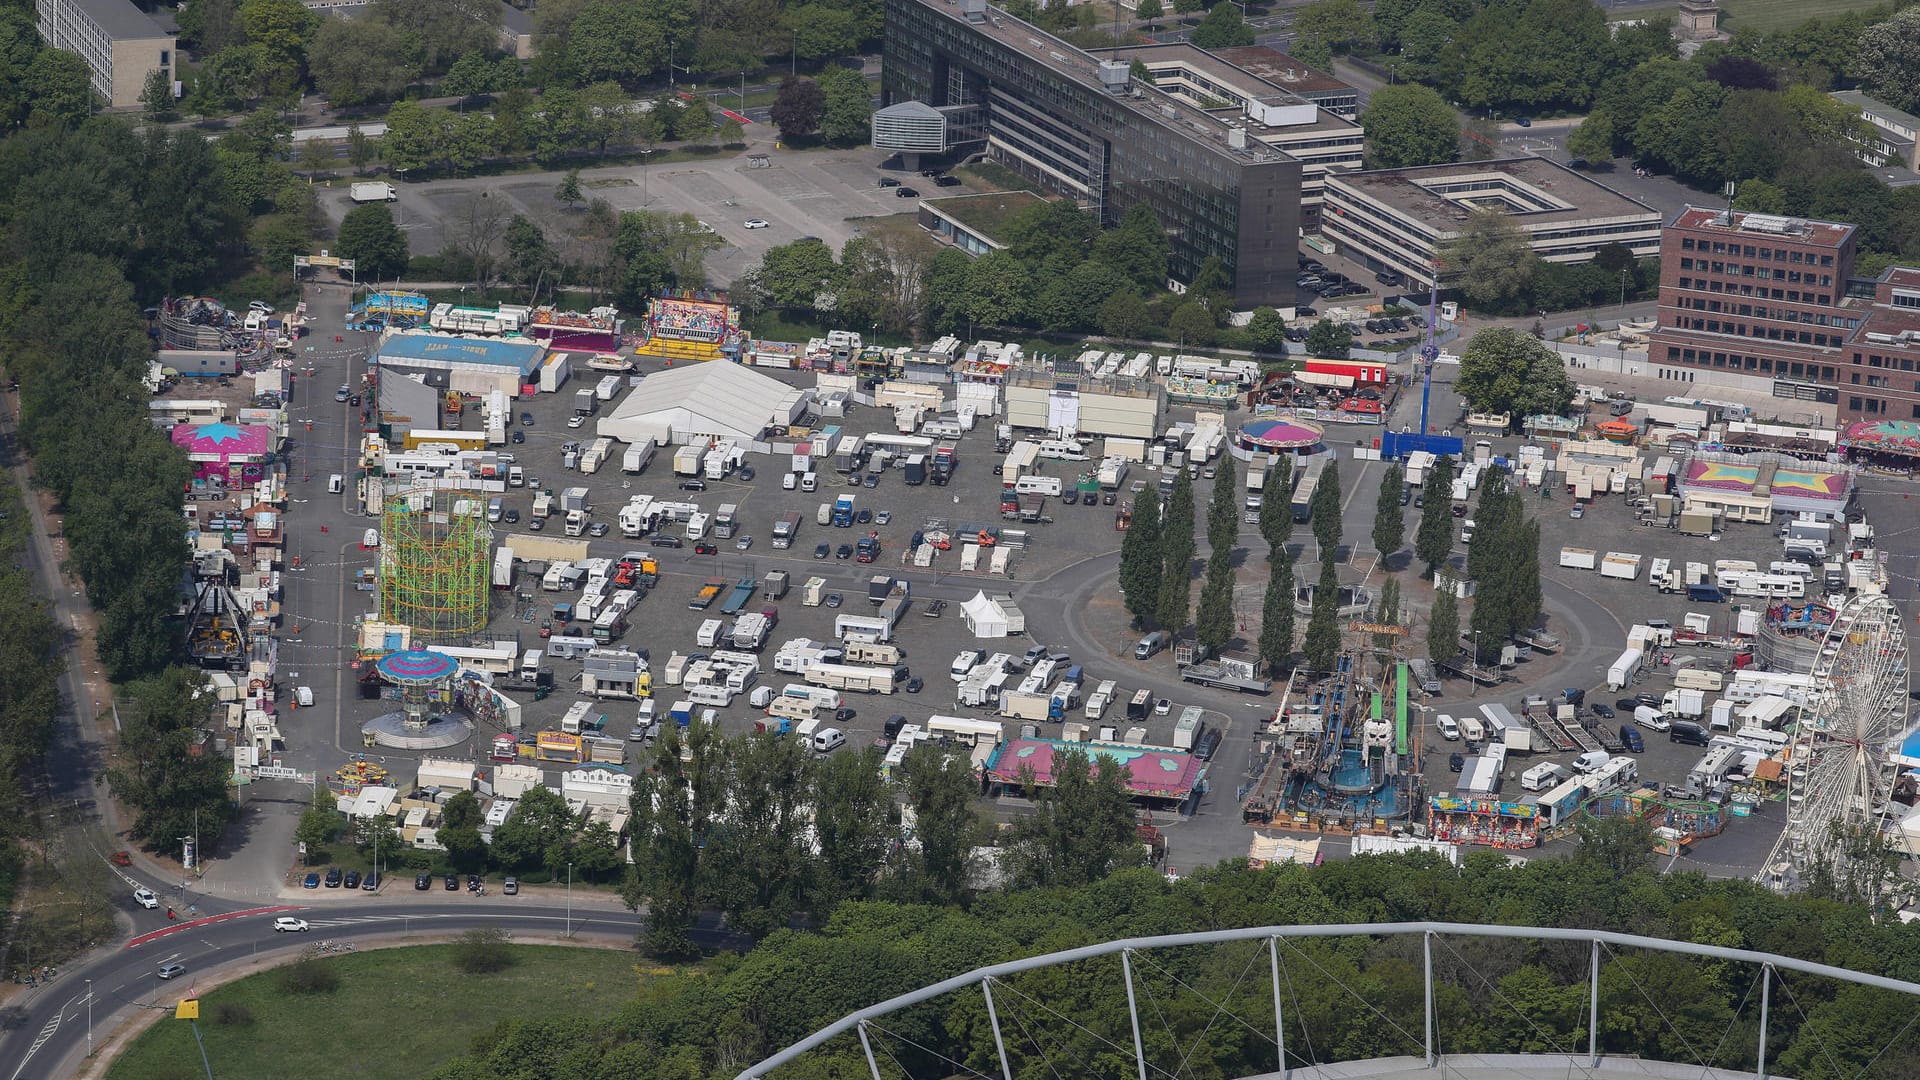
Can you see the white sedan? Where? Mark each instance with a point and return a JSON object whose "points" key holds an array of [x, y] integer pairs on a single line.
{"points": [[288, 925], [755, 223]]}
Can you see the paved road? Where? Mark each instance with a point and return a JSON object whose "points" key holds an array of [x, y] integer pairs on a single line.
{"points": [[55, 1025]]}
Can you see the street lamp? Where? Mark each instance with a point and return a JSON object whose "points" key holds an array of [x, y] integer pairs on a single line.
{"points": [[569, 900], [89, 1016], [1475, 680]]}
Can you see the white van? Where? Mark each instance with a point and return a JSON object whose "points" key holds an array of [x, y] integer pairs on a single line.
{"points": [[335, 484], [965, 662], [303, 697], [516, 477], [1591, 762], [809, 480], [1473, 729], [827, 740], [1449, 730], [1543, 776]]}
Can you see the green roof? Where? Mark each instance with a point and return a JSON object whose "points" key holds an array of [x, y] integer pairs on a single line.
{"points": [[985, 215]]}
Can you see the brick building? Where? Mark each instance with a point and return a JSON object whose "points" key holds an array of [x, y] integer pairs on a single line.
{"points": [[1882, 379], [1755, 301]]}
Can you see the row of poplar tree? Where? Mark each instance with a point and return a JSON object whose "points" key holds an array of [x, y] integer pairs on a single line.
{"points": [[1158, 553]]}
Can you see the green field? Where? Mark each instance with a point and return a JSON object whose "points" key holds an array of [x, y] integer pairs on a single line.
{"points": [[1767, 14], [397, 1013]]}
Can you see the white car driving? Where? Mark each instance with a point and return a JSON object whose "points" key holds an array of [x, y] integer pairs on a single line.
{"points": [[145, 898], [286, 924], [755, 223]]}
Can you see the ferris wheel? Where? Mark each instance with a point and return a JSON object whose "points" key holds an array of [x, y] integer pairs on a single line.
{"points": [[1840, 771]]}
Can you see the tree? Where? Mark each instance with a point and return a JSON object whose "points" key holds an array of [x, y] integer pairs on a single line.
{"points": [[1386, 612], [673, 805], [462, 810], [355, 61], [1888, 60], [470, 76], [530, 260], [1433, 544], [1213, 623], [1276, 618], [1322, 642], [61, 88], [616, 40], [1443, 627], [855, 822], [1329, 340], [1276, 507], [442, 31], [1191, 321], [316, 157], [731, 133], [1592, 138], [1082, 827], [1490, 261], [694, 122], [568, 190], [940, 789], [1223, 507], [1389, 517], [998, 290], [1141, 559], [846, 108], [1267, 330], [798, 107], [822, 32], [1621, 845], [369, 236], [1344, 25], [1223, 28], [1409, 125], [361, 149], [1325, 509], [319, 824], [759, 857], [1505, 370], [156, 97], [474, 232], [1149, 11], [282, 30], [1176, 552], [538, 828], [795, 274]]}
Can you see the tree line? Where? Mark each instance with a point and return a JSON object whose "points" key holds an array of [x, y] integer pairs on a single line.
{"points": [[253, 51], [761, 830], [1492, 995], [1503, 562], [1060, 272]]}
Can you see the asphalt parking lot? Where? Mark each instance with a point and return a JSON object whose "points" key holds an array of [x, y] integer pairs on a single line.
{"points": [[664, 624]]}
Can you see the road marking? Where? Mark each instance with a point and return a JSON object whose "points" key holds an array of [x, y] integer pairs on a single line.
{"points": [[46, 1032]]}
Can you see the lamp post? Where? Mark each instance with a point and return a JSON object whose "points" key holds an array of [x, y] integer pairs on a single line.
{"points": [[569, 900], [89, 1016], [1475, 681]]}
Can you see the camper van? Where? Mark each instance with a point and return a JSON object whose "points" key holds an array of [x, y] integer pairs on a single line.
{"points": [[1542, 776]]}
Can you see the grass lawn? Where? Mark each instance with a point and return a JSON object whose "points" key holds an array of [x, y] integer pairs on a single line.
{"points": [[397, 1013]]}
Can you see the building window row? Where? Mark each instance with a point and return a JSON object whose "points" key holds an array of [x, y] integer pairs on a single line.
{"points": [[1738, 362], [1749, 251], [1791, 296]]}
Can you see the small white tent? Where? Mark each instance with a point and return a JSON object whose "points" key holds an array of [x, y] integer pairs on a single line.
{"points": [[984, 617]]}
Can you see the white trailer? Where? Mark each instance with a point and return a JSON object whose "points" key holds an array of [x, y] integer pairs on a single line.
{"points": [[503, 568], [638, 456], [1574, 558], [862, 628], [868, 680], [1624, 565], [1098, 700]]}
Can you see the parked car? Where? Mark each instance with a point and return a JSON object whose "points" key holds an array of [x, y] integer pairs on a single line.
{"points": [[668, 541], [888, 181], [526, 419], [333, 877], [372, 881], [422, 882], [1630, 738], [1456, 762], [833, 599], [511, 517], [518, 437], [311, 881], [453, 883], [916, 684], [511, 886], [1604, 712], [598, 529], [352, 881], [905, 193], [821, 551], [696, 484], [864, 517], [845, 551], [872, 480], [934, 609], [755, 223], [743, 543]]}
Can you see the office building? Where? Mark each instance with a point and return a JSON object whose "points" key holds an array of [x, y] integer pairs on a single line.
{"points": [[120, 44], [1399, 220], [1277, 100], [1883, 356], [1080, 125], [1755, 301], [1891, 135]]}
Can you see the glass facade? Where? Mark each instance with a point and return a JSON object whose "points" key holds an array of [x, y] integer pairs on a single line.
{"points": [[1049, 119]]}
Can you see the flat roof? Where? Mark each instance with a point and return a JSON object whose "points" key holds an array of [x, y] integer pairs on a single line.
{"points": [[1276, 67], [1248, 83], [1873, 105], [1070, 62], [1582, 197], [986, 213], [514, 19], [517, 353], [1808, 231], [120, 19]]}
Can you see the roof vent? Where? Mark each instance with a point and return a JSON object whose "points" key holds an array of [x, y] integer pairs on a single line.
{"points": [[974, 10], [1237, 139], [1113, 76]]}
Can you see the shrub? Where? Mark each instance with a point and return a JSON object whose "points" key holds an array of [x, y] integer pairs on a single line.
{"points": [[232, 1014], [310, 977], [482, 951]]}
